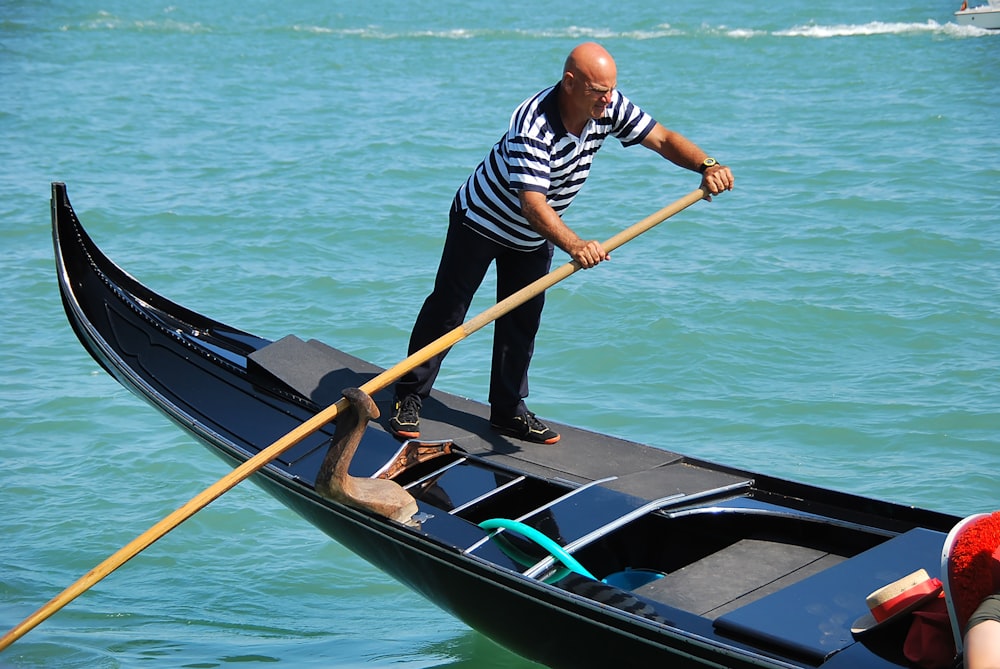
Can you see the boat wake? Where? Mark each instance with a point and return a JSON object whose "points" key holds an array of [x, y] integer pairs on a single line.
{"points": [[881, 28], [661, 31]]}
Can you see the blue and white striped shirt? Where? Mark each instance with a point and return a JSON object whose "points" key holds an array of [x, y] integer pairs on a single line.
{"points": [[538, 154]]}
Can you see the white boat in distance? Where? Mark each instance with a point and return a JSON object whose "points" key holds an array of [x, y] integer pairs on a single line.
{"points": [[983, 16]]}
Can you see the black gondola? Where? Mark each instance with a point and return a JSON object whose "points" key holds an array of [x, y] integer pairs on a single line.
{"points": [[593, 552]]}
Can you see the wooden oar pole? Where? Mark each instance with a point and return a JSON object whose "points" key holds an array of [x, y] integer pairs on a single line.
{"points": [[310, 426]]}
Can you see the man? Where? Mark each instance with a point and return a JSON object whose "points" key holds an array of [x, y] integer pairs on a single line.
{"points": [[509, 211]]}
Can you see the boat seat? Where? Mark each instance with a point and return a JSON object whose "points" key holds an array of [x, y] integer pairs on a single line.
{"points": [[812, 618], [721, 582]]}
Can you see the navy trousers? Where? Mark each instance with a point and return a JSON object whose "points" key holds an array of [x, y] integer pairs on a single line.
{"points": [[464, 261]]}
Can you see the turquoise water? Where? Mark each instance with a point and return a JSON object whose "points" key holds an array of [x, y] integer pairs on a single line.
{"points": [[288, 169]]}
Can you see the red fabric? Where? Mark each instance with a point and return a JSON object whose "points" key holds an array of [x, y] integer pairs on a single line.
{"points": [[929, 643], [972, 566], [996, 569]]}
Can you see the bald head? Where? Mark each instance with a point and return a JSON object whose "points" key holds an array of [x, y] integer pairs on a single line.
{"points": [[591, 60]]}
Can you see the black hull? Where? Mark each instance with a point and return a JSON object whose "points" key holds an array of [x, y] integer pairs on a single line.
{"points": [[521, 619], [209, 378]]}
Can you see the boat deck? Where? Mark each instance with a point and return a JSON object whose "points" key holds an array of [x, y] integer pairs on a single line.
{"points": [[320, 373]]}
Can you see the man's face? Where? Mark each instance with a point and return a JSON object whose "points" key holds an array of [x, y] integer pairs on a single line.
{"points": [[591, 88], [598, 96]]}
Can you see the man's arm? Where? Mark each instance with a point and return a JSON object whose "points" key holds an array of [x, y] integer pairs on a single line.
{"points": [[682, 152], [546, 222]]}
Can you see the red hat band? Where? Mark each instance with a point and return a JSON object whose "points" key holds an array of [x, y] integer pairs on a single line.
{"points": [[904, 600]]}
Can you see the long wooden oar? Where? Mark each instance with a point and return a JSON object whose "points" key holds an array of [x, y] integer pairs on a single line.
{"points": [[381, 381]]}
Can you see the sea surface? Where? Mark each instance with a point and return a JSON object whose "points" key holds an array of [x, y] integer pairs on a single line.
{"points": [[287, 168]]}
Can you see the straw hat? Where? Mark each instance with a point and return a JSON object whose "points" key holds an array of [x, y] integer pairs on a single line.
{"points": [[897, 599]]}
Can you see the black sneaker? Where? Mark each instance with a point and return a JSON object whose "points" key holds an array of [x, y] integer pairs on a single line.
{"points": [[527, 427], [405, 421]]}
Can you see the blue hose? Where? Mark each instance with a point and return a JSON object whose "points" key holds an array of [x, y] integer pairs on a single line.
{"points": [[530, 533]]}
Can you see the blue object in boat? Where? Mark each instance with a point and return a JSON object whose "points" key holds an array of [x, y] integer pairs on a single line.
{"points": [[528, 532], [630, 579]]}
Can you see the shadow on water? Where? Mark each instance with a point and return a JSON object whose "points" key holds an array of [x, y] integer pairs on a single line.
{"points": [[472, 650]]}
